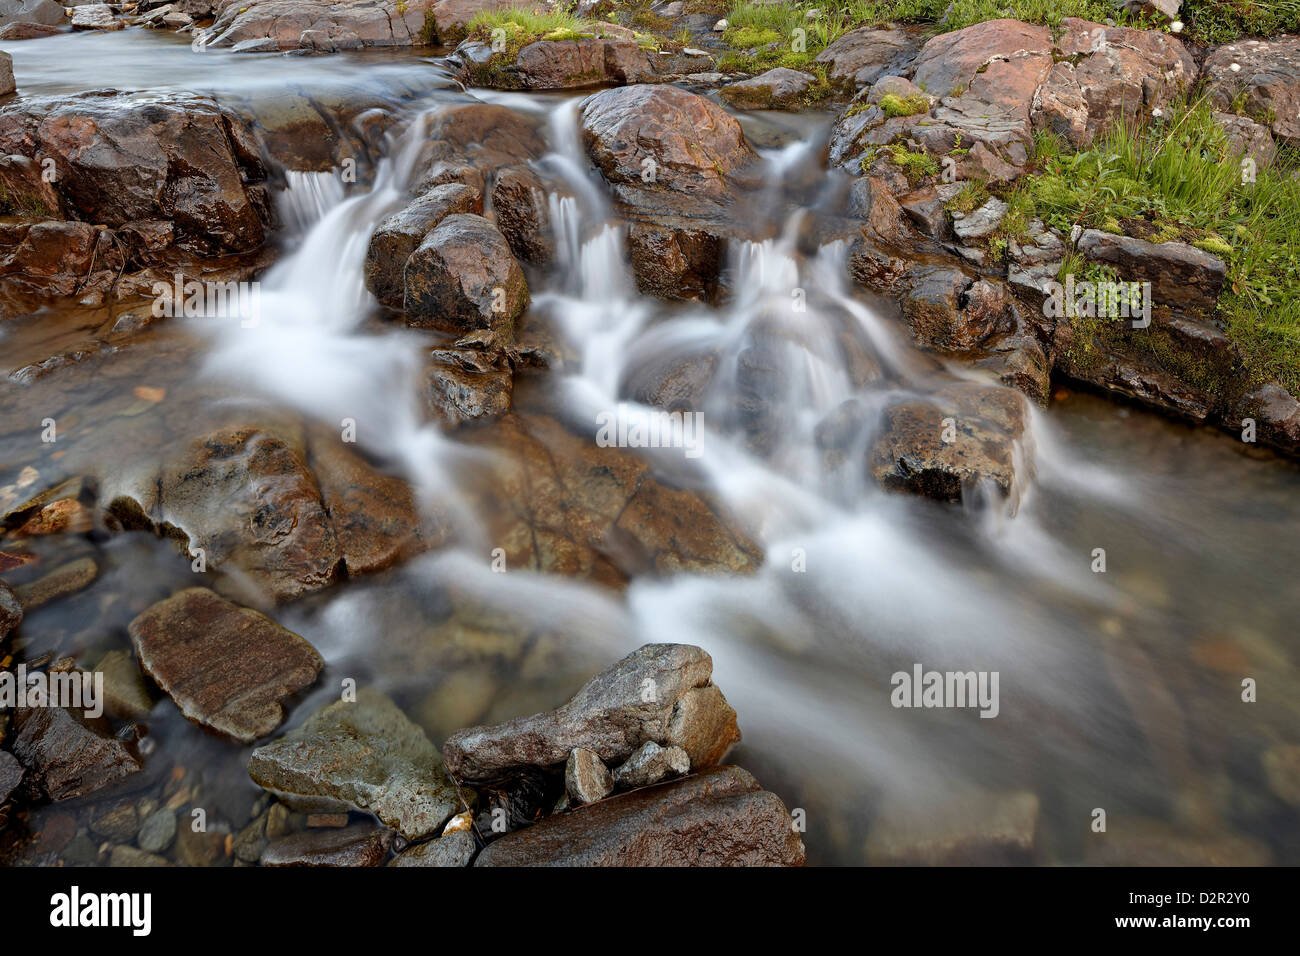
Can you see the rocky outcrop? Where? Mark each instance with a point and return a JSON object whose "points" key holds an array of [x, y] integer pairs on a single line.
{"points": [[44, 12], [717, 818], [362, 755], [1181, 276], [778, 89], [126, 157], [660, 693], [228, 668], [557, 64], [263, 26], [1265, 74]]}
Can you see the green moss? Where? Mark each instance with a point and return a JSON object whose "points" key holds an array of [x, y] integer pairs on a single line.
{"points": [[917, 166], [895, 105]]}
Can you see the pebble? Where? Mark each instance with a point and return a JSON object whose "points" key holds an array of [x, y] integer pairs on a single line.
{"points": [[158, 831]]}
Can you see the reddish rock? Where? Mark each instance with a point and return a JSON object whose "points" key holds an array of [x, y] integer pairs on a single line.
{"points": [[463, 277], [717, 818], [227, 667], [66, 757]]}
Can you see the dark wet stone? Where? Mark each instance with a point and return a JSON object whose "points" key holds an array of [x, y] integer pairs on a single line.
{"points": [[118, 823], [129, 856], [717, 818], [463, 278], [361, 844], [400, 234], [227, 667], [661, 692], [157, 831], [11, 611], [11, 774], [66, 758], [363, 756]]}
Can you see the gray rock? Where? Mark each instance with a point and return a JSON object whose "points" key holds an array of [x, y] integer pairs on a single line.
{"points": [[451, 849], [158, 831], [586, 778], [360, 756], [45, 12], [860, 56], [227, 667], [7, 84], [928, 208], [635, 700], [717, 818], [650, 764], [982, 222], [1248, 138], [95, 16], [1168, 9]]}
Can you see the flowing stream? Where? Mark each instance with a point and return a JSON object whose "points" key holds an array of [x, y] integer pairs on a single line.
{"points": [[1118, 690]]}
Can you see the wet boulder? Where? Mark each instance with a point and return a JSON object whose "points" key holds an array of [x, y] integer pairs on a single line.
{"points": [[53, 258], [362, 844], [228, 668], [400, 234], [521, 201], [778, 89], [717, 818], [665, 137], [558, 64], [11, 775], [467, 385], [463, 278], [27, 31], [661, 692], [958, 438], [451, 849], [468, 142], [121, 157], [362, 755], [947, 311]]}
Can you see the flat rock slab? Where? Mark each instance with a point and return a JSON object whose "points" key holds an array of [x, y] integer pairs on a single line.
{"points": [[717, 818], [227, 667], [660, 692], [363, 755]]}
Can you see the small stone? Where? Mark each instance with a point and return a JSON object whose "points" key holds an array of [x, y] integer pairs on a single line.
{"points": [[129, 856], [450, 849], [199, 847], [62, 581], [650, 764], [80, 851], [278, 821], [11, 774], [118, 824], [720, 26], [157, 831], [249, 843], [126, 696], [327, 819], [586, 778], [704, 726]]}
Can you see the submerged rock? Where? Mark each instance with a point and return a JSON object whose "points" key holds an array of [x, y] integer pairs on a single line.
{"points": [[64, 580], [11, 611], [363, 755], [361, 844], [717, 818], [67, 758], [661, 692], [983, 829], [227, 667], [11, 775]]}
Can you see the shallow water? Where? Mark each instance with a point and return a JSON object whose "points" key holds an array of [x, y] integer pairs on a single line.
{"points": [[1118, 690]]}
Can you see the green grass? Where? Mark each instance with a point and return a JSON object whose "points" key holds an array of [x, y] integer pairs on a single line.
{"points": [[1181, 180], [966, 13], [1222, 21]]}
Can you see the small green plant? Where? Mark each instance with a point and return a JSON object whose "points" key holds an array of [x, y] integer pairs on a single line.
{"points": [[895, 105]]}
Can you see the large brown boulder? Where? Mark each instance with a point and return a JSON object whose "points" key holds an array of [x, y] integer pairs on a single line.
{"points": [[1181, 276], [227, 667], [860, 57], [557, 64], [664, 137], [120, 157], [463, 278], [717, 818]]}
